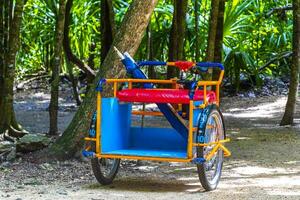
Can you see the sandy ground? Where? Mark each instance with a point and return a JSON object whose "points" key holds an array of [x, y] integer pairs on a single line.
{"points": [[265, 162]]}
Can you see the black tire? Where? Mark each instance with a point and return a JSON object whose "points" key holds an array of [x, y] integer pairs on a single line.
{"points": [[208, 176], [103, 176]]}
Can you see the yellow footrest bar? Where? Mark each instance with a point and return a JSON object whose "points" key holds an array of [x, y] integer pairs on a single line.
{"points": [[211, 143], [227, 153], [219, 145], [90, 139], [147, 113]]}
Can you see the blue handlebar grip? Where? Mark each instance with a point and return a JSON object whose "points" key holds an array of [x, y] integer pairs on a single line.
{"points": [[152, 63], [210, 65]]}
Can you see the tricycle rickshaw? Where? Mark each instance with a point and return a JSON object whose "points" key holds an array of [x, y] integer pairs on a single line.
{"points": [[196, 135]]}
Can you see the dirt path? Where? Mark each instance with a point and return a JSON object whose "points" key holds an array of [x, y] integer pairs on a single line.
{"points": [[265, 163]]}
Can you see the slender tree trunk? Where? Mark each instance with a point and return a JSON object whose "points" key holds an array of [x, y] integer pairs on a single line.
{"points": [[127, 38], [53, 108], [213, 25], [219, 33], [6, 26], [67, 46], [197, 30], [107, 27], [177, 35], [10, 39], [219, 38], [151, 69], [91, 63], [47, 58], [211, 42], [4, 50], [89, 70], [74, 82], [288, 116], [1, 48]]}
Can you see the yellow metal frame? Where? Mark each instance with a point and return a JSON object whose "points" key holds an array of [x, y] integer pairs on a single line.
{"points": [[191, 128]]}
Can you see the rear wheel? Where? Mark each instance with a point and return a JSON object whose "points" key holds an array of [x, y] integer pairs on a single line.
{"points": [[105, 170], [211, 130]]}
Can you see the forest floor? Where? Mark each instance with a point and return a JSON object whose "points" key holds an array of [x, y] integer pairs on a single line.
{"points": [[265, 161]]}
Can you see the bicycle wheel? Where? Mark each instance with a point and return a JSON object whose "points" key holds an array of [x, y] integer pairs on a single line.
{"points": [[105, 170], [211, 129]]}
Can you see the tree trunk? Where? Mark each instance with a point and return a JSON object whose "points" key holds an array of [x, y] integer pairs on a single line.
{"points": [[67, 46], [211, 42], [219, 33], [213, 25], [74, 82], [177, 35], [2, 48], [288, 117], [108, 27], [10, 42], [53, 108], [128, 38], [91, 63], [151, 69], [197, 30], [219, 38]]}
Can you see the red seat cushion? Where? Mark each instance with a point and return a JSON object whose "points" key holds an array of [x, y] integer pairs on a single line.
{"points": [[163, 96]]}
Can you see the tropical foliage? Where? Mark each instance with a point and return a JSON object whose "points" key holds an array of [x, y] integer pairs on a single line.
{"points": [[256, 43]]}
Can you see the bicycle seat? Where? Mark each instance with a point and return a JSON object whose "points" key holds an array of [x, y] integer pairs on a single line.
{"points": [[180, 96]]}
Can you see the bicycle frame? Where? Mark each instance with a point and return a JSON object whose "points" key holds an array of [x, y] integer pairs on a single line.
{"points": [[191, 126]]}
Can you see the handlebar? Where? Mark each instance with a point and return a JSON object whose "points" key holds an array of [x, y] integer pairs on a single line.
{"points": [[131, 65], [183, 65], [151, 63], [210, 65]]}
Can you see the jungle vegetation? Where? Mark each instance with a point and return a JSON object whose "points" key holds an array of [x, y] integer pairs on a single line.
{"points": [[254, 39]]}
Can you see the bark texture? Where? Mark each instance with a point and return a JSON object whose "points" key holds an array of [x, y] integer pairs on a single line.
{"points": [[213, 26], [219, 38], [212, 34], [288, 117], [127, 38], [219, 32], [151, 69], [53, 108], [10, 41], [74, 82], [177, 36], [107, 27], [197, 30], [1, 48]]}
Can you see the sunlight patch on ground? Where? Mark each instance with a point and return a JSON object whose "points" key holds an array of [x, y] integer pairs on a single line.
{"points": [[256, 170], [184, 169], [188, 178], [283, 193], [281, 181], [256, 114], [243, 138], [266, 110], [293, 162]]}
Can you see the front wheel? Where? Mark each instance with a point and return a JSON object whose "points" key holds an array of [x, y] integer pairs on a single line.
{"points": [[211, 129]]}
